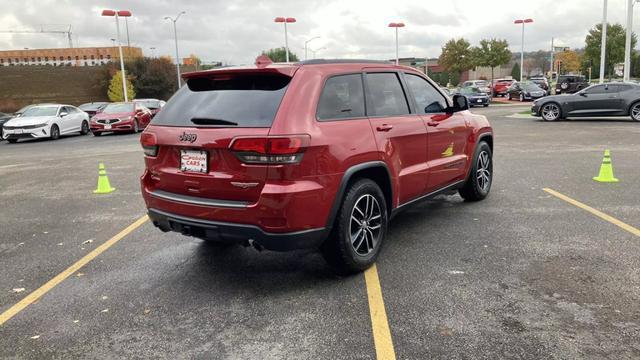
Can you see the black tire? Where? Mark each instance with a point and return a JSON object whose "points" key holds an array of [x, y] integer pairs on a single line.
{"points": [[634, 111], [96, 133], [54, 133], [551, 111], [84, 128], [485, 105], [136, 127], [12, 141], [509, 96], [477, 188], [521, 97], [348, 256]]}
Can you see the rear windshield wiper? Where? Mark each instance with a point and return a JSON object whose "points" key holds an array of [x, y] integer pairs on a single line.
{"points": [[212, 121]]}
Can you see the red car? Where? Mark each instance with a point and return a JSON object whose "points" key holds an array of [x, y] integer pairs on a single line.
{"points": [[120, 117], [500, 86], [317, 154]]}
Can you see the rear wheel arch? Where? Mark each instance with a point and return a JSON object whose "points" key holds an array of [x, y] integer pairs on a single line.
{"points": [[374, 170]]}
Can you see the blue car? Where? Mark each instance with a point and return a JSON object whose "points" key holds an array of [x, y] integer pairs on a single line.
{"points": [[474, 96]]}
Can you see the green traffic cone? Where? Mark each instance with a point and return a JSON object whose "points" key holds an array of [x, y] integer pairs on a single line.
{"points": [[104, 187], [606, 169]]}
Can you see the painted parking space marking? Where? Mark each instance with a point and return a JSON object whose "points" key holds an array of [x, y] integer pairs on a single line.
{"points": [[37, 294], [600, 214], [379, 323]]}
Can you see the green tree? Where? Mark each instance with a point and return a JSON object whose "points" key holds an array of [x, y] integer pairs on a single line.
{"points": [[492, 53], [614, 52], [280, 55], [457, 57], [115, 88], [152, 77], [515, 71]]}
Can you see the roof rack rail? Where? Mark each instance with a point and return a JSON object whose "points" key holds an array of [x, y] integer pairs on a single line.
{"points": [[341, 61]]}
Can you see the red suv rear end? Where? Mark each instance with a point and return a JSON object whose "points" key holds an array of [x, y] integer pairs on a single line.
{"points": [[318, 154], [500, 86]]}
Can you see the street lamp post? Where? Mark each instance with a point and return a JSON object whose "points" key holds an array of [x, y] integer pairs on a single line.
{"points": [[285, 20], [396, 26], [313, 52], [118, 14], [307, 42], [603, 42], [627, 44], [522, 21], [175, 36]]}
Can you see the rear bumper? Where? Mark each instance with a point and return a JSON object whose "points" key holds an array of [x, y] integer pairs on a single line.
{"points": [[237, 233]]}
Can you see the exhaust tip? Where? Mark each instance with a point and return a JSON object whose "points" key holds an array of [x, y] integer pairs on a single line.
{"points": [[255, 245]]}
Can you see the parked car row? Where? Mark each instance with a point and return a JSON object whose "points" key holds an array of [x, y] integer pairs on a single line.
{"points": [[53, 120]]}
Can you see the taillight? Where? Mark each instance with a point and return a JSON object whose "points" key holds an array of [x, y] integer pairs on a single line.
{"points": [[271, 150], [149, 144]]}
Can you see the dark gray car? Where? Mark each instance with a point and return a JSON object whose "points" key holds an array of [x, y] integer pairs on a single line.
{"points": [[612, 99]]}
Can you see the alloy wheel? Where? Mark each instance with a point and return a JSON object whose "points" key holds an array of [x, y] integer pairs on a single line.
{"points": [[365, 226], [551, 112], [483, 170], [635, 112]]}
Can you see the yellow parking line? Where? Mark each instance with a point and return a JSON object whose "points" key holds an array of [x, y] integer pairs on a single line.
{"points": [[379, 324], [600, 214], [29, 299]]}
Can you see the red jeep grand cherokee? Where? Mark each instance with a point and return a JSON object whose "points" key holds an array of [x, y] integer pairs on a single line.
{"points": [[316, 154]]}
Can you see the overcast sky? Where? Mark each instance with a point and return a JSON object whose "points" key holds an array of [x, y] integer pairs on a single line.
{"points": [[236, 31]]}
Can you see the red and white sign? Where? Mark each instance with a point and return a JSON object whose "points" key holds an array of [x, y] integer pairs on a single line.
{"points": [[193, 160]]}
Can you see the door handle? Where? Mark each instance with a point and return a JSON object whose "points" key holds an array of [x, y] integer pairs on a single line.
{"points": [[433, 123], [384, 127]]}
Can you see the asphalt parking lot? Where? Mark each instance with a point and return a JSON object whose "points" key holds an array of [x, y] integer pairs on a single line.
{"points": [[522, 275]]}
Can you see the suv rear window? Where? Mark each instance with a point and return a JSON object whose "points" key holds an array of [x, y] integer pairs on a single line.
{"points": [[237, 100]]}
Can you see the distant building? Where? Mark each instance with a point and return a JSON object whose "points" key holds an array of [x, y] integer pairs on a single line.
{"points": [[90, 56]]}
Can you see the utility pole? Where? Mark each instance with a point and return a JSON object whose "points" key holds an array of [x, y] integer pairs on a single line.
{"points": [[175, 35], [551, 63], [603, 43], [126, 24]]}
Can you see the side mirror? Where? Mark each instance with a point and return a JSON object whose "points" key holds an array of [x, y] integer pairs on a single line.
{"points": [[583, 94], [63, 114], [460, 103]]}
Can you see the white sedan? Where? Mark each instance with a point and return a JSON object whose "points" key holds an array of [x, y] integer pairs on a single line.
{"points": [[46, 121]]}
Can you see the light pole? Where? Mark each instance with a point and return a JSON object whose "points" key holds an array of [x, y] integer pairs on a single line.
{"points": [[396, 26], [285, 20], [126, 26], [307, 42], [603, 42], [118, 14], [316, 50], [175, 36], [627, 44], [522, 21]]}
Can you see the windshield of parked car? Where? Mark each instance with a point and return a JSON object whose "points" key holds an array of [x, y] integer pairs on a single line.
{"points": [[150, 104], [480, 83], [41, 111], [91, 106], [118, 108], [470, 91], [530, 87]]}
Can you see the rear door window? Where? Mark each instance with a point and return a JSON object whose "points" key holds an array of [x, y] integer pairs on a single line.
{"points": [[225, 100], [385, 96], [428, 99], [342, 98]]}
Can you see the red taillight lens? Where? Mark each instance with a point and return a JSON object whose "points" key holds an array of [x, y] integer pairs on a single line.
{"points": [[271, 150], [149, 144]]}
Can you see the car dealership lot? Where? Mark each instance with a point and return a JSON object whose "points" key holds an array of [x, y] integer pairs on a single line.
{"points": [[522, 274]]}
